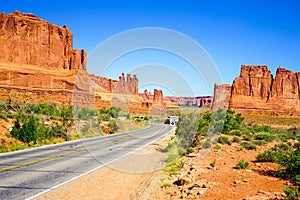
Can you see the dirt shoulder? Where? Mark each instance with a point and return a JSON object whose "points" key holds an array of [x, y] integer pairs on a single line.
{"points": [[197, 179], [129, 178]]}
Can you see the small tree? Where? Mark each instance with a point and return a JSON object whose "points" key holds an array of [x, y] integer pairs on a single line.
{"points": [[67, 119], [27, 132]]}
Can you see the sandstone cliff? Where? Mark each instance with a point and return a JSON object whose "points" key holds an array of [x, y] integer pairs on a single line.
{"points": [[256, 92], [26, 39], [38, 64]]}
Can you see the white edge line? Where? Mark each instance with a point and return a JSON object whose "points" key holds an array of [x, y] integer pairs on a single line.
{"points": [[92, 170]]}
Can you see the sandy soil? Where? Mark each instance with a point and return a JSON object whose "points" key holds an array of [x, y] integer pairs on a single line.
{"points": [[202, 181]]}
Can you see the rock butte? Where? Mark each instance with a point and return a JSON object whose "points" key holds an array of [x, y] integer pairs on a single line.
{"points": [[38, 64], [255, 91]]}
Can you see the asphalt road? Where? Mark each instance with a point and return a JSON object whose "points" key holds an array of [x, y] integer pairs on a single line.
{"points": [[27, 173]]}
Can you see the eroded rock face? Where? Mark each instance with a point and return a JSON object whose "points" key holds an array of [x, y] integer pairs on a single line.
{"points": [[128, 85], [222, 94], [254, 81], [38, 64], [256, 92], [158, 97], [26, 39]]}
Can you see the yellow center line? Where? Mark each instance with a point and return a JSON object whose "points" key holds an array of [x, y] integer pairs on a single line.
{"points": [[61, 155]]}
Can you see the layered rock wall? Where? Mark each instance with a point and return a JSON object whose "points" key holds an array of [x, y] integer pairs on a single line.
{"points": [[38, 64], [201, 101], [26, 39], [255, 91]]}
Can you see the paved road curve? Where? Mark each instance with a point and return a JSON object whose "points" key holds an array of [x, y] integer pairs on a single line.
{"points": [[26, 173]]}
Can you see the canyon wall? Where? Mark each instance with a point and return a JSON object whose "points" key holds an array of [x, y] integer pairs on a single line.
{"points": [[38, 64], [26, 39], [255, 91]]}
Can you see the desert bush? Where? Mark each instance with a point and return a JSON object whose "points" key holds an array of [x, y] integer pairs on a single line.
{"points": [[217, 147], [187, 130], [260, 142], [248, 145], [235, 132], [115, 112], [267, 156], [236, 139], [248, 136], [224, 140], [233, 121], [291, 161], [242, 165], [207, 144], [113, 125], [292, 193], [26, 132], [264, 136]]}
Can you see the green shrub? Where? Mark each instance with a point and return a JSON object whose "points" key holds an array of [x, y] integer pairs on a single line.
{"points": [[248, 145], [27, 132], [233, 121], [235, 132], [224, 140], [283, 137], [267, 156], [207, 144], [296, 180], [113, 126], [292, 193], [248, 137], [264, 136], [217, 147], [260, 142], [283, 147], [242, 165], [236, 139]]}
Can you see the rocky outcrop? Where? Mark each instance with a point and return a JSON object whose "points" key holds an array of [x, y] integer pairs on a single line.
{"points": [[256, 92], [222, 94], [38, 64], [128, 85], [26, 39], [158, 97]]}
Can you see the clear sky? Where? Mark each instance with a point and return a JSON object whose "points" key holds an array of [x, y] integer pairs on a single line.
{"points": [[231, 32]]}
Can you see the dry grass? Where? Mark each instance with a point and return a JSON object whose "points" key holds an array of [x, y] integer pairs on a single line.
{"points": [[275, 121]]}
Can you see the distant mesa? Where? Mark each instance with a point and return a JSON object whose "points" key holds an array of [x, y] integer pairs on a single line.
{"points": [[200, 101], [255, 91]]}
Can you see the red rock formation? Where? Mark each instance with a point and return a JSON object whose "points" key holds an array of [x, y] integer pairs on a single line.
{"points": [[256, 92], [26, 39], [285, 96], [202, 101], [222, 94], [127, 86], [37, 63], [158, 97]]}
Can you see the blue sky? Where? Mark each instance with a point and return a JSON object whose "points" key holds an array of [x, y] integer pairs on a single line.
{"points": [[231, 32]]}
